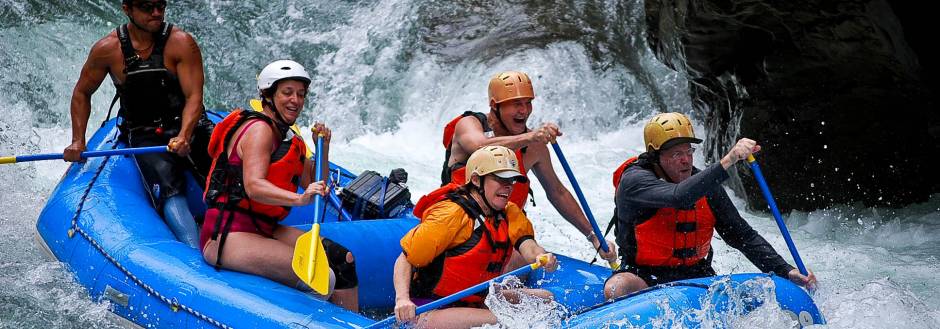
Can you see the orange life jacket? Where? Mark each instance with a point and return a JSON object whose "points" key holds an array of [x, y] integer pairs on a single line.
{"points": [[672, 237], [480, 258], [225, 187], [457, 173]]}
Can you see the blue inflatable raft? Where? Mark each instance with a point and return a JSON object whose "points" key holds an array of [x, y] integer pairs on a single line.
{"points": [[100, 222]]}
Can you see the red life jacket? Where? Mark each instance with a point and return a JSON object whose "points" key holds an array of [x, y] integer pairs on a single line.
{"points": [[225, 187], [672, 237], [619, 172], [457, 173], [479, 259], [438, 195]]}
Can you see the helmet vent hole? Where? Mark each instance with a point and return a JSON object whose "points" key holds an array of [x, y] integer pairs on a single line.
{"points": [[285, 68]]}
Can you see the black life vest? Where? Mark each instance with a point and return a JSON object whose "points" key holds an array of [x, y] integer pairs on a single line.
{"points": [[151, 96]]}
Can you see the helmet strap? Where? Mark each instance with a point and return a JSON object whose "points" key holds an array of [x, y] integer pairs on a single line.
{"points": [[499, 117], [279, 121], [490, 209], [658, 170]]}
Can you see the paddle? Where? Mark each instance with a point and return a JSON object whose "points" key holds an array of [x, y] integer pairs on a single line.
{"points": [[310, 263], [773, 209], [463, 293], [615, 265], [85, 155]]}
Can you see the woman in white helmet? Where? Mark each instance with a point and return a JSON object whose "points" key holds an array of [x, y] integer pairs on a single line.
{"points": [[258, 165]]}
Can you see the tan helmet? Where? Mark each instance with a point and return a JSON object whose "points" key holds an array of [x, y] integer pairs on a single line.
{"points": [[668, 129], [495, 160], [510, 85]]}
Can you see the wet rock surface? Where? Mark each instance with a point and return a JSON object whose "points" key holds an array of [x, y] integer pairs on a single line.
{"points": [[841, 94]]}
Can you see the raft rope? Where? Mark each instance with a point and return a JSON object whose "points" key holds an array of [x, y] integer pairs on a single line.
{"points": [[173, 303]]}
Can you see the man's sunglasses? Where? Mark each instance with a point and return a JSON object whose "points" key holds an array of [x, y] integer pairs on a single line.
{"points": [[506, 181], [148, 7]]}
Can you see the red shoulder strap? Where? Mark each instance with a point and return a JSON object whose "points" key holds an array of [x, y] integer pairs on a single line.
{"points": [[449, 130], [438, 195], [221, 131], [451, 126], [619, 171]]}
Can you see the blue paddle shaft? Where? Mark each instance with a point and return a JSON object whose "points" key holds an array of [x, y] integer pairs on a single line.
{"points": [[94, 154], [334, 200], [456, 296], [577, 190], [773, 209], [318, 174]]}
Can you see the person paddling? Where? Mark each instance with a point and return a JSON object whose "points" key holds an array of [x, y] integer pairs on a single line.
{"points": [[510, 101], [258, 165], [667, 210], [156, 68], [466, 236]]}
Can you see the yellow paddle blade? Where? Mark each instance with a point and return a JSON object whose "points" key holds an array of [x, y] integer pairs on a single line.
{"points": [[310, 263], [614, 265], [256, 105]]}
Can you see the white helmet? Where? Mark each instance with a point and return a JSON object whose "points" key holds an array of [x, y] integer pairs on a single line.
{"points": [[279, 70]]}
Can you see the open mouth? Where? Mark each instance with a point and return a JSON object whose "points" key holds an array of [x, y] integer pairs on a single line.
{"points": [[519, 121]]}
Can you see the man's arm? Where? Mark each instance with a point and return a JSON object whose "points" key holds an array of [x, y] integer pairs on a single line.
{"points": [[469, 135], [738, 234], [189, 71], [532, 251], [401, 278], [93, 72]]}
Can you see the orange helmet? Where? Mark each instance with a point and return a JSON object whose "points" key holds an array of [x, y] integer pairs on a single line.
{"points": [[668, 129], [510, 85]]}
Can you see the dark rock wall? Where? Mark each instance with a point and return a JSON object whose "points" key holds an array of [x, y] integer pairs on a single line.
{"points": [[841, 94]]}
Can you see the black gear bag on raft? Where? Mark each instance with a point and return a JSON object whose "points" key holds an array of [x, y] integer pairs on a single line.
{"points": [[372, 196]]}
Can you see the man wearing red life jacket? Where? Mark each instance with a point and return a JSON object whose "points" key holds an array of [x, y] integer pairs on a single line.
{"points": [[510, 99], [466, 236], [667, 211]]}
